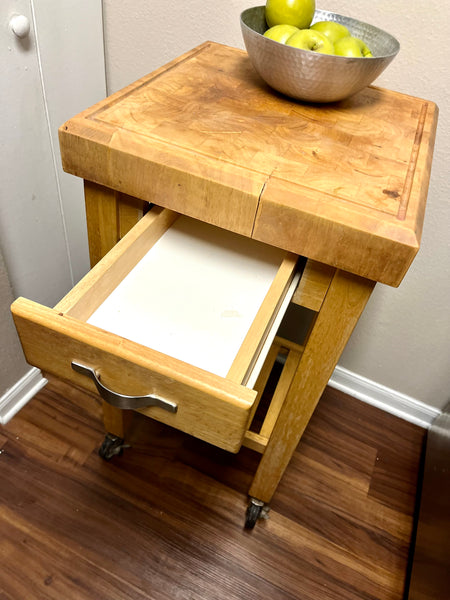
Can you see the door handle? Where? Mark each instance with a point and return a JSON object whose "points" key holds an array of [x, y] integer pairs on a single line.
{"points": [[20, 26], [122, 400]]}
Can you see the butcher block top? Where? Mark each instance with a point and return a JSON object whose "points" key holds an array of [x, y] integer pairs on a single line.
{"points": [[344, 184]]}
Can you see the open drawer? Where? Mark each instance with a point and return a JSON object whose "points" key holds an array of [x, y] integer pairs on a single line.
{"points": [[175, 321]]}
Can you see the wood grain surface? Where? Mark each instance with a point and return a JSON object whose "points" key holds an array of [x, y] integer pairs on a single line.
{"points": [[344, 184], [165, 520]]}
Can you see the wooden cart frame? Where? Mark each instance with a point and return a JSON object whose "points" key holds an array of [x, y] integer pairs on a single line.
{"points": [[344, 186], [337, 299]]}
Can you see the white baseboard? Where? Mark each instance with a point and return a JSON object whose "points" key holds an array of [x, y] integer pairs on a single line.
{"points": [[391, 401], [359, 387], [21, 393]]}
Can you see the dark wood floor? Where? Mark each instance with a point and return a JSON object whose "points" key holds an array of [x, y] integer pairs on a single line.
{"points": [[164, 521]]}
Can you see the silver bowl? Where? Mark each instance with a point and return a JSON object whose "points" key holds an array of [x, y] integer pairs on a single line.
{"points": [[310, 76]]}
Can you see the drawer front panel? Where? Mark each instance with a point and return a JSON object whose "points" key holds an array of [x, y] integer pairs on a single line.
{"points": [[209, 407]]}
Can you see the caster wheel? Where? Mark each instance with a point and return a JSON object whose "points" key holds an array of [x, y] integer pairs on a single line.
{"points": [[254, 512], [112, 446]]}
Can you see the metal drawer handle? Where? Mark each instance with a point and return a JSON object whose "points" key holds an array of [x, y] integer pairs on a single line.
{"points": [[122, 400]]}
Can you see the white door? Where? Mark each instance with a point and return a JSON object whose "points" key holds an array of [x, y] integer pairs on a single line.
{"points": [[47, 74], [51, 67]]}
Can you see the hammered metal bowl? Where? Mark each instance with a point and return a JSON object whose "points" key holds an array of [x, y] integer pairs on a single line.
{"points": [[310, 76]]}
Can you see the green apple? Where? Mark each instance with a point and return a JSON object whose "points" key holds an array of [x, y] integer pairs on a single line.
{"points": [[308, 39], [334, 31], [352, 47], [281, 33], [299, 13]]}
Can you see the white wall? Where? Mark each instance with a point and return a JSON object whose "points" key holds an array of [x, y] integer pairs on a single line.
{"points": [[403, 339]]}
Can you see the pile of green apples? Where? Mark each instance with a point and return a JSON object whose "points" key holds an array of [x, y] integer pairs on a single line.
{"points": [[290, 21]]}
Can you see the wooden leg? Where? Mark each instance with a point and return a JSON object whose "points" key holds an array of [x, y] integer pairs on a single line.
{"points": [[109, 215], [115, 420], [102, 216], [343, 304]]}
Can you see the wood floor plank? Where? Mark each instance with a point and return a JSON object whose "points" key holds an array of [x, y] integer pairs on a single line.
{"points": [[53, 571], [165, 519]]}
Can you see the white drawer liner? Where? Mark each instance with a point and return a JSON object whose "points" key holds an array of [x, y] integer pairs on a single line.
{"points": [[194, 296]]}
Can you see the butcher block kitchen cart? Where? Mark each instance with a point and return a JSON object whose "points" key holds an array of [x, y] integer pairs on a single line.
{"points": [[282, 203]]}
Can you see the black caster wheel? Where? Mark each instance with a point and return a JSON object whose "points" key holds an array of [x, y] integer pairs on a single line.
{"points": [[255, 510], [112, 446]]}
